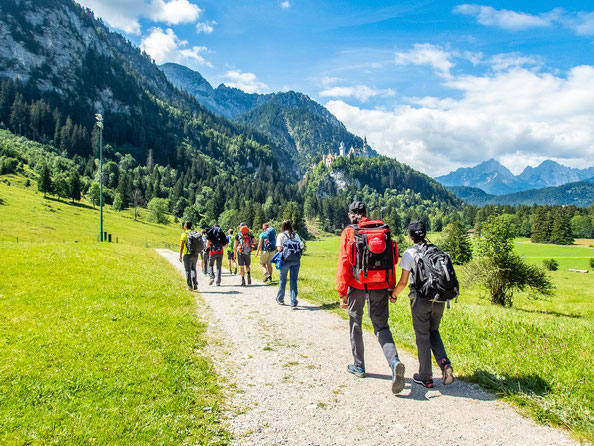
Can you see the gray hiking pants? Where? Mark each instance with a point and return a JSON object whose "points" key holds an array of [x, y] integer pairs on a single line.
{"points": [[190, 261], [426, 316], [218, 259], [378, 309]]}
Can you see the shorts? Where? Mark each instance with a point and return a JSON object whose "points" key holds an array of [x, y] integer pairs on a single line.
{"points": [[265, 257], [244, 259], [229, 255]]}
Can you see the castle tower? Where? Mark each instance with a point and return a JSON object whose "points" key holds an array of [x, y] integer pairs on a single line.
{"points": [[341, 149]]}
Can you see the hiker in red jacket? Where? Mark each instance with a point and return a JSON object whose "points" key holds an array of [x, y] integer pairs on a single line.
{"points": [[357, 281]]}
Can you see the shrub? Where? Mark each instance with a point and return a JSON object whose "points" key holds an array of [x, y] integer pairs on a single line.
{"points": [[550, 264], [592, 263], [501, 271]]}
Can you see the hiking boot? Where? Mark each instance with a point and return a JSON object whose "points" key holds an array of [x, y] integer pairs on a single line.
{"points": [[235, 271], [218, 284], [425, 383], [447, 376], [249, 279], [243, 281], [397, 376], [211, 281], [280, 302], [195, 286], [357, 371]]}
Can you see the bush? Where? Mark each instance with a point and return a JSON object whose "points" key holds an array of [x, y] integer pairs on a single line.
{"points": [[499, 270], [157, 210], [550, 264], [592, 263]]}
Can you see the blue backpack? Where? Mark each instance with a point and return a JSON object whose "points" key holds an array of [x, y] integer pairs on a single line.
{"points": [[291, 250], [269, 240]]}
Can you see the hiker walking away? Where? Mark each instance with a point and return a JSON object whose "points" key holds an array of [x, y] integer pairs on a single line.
{"points": [[242, 250], [266, 244], [426, 304], [205, 253], [230, 255], [217, 240], [366, 271], [291, 246], [191, 244]]}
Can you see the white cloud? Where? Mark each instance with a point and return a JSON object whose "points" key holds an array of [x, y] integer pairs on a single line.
{"points": [[125, 14], [247, 82], [505, 61], [360, 92], [205, 27], [165, 46], [582, 23], [518, 116], [286, 4], [504, 18], [427, 54]]}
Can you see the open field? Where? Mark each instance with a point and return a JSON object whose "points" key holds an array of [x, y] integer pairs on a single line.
{"points": [[25, 214], [539, 354], [101, 344]]}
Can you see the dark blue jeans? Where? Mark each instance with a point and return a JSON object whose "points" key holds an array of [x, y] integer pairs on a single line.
{"points": [[293, 268]]}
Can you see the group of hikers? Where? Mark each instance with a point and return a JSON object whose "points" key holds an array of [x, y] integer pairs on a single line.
{"points": [[365, 273], [283, 250]]}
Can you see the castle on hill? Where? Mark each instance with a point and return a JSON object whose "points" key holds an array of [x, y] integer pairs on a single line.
{"points": [[353, 151]]}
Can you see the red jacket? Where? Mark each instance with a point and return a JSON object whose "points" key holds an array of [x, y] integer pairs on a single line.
{"points": [[344, 269]]}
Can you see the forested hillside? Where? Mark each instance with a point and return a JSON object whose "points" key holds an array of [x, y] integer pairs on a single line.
{"points": [[578, 194], [292, 120], [393, 191]]}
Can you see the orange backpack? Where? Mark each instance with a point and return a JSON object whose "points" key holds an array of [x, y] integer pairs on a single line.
{"points": [[245, 240]]}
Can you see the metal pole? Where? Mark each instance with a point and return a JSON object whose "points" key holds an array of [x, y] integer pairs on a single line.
{"points": [[101, 179]]}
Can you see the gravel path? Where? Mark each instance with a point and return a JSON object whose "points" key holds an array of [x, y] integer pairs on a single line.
{"points": [[289, 385]]}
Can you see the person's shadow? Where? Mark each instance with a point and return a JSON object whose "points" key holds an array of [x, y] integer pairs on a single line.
{"points": [[491, 387]]}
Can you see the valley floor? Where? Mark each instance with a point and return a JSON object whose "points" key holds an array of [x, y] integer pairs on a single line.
{"points": [[289, 383]]}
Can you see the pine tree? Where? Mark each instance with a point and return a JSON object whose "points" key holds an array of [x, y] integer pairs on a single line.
{"points": [[45, 181], [561, 233], [541, 225], [457, 243], [74, 186]]}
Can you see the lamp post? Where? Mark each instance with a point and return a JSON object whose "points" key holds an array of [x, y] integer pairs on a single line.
{"points": [[99, 119]]}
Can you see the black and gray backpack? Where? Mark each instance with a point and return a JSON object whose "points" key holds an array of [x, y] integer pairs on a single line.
{"points": [[434, 275], [195, 243]]}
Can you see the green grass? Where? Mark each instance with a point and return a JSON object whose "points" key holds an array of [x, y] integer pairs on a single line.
{"points": [[101, 344], [26, 214], [538, 354]]}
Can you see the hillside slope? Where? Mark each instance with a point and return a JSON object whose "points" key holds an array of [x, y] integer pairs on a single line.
{"points": [[292, 120], [578, 194]]}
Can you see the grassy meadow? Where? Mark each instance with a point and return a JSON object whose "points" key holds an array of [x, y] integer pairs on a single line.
{"points": [[26, 214], [538, 354], [99, 344]]}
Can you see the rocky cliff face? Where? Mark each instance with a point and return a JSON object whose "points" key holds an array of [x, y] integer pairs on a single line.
{"points": [[60, 48]]}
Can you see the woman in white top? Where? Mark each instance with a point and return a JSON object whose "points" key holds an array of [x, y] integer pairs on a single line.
{"points": [[291, 246]]}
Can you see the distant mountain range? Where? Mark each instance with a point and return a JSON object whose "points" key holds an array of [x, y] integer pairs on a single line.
{"points": [[295, 122], [580, 193], [493, 178]]}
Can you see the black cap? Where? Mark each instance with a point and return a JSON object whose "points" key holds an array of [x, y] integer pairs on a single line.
{"points": [[417, 228], [357, 207]]}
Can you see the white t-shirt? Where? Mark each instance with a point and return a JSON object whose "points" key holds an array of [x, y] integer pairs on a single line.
{"points": [[408, 260], [283, 236]]}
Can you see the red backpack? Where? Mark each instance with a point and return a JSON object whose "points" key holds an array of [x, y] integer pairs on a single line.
{"points": [[372, 253]]}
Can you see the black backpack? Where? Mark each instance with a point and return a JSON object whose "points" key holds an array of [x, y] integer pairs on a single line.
{"points": [[217, 237], [434, 275], [195, 243]]}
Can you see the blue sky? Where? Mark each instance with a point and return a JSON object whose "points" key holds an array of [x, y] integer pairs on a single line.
{"points": [[436, 84]]}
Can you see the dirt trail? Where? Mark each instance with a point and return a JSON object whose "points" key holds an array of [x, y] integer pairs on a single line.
{"points": [[289, 368]]}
